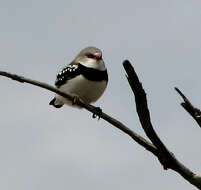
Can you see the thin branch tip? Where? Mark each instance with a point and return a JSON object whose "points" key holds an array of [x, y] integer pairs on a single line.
{"points": [[127, 66], [126, 61], [176, 88], [178, 91]]}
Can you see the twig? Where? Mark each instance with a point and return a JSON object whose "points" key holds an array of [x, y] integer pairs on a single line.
{"points": [[139, 139], [193, 111], [166, 158], [159, 150]]}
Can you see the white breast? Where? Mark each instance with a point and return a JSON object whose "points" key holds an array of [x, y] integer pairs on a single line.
{"points": [[88, 91]]}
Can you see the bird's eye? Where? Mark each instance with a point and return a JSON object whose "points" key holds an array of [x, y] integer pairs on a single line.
{"points": [[90, 55]]}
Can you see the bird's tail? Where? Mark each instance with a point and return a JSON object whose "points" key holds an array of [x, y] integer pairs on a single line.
{"points": [[55, 103]]}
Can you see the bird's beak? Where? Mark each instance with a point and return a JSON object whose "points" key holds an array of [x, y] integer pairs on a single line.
{"points": [[98, 55]]}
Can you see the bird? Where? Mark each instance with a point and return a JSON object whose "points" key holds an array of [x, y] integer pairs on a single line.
{"points": [[85, 77]]}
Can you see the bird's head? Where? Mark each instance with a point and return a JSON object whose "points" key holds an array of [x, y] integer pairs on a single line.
{"points": [[91, 57]]}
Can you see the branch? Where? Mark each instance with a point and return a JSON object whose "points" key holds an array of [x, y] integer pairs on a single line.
{"points": [[157, 148], [166, 158], [193, 111], [139, 139]]}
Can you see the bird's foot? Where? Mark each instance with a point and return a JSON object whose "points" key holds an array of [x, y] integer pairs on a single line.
{"points": [[98, 113], [75, 100]]}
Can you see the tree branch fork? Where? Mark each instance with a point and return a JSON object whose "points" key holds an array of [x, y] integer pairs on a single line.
{"points": [[154, 144]]}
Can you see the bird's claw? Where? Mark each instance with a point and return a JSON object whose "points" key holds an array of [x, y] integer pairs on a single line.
{"points": [[98, 113], [75, 100]]}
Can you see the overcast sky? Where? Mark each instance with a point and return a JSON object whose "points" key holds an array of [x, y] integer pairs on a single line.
{"points": [[45, 148]]}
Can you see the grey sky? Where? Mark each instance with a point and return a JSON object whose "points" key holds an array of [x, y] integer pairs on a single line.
{"points": [[46, 148]]}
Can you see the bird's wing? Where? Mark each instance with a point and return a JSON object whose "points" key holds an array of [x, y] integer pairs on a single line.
{"points": [[67, 73]]}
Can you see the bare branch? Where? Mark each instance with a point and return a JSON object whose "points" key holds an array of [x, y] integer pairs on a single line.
{"points": [[142, 107], [166, 158], [139, 139], [193, 111], [157, 148]]}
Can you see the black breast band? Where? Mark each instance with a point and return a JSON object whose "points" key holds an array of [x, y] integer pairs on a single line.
{"points": [[93, 74]]}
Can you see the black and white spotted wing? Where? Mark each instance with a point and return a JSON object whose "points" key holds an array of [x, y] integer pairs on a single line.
{"points": [[73, 70], [67, 73]]}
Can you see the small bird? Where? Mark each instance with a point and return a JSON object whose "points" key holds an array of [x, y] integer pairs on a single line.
{"points": [[85, 77]]}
